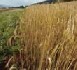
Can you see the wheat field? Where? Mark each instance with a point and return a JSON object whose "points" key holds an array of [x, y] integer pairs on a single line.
{"points": [[48, 37]]}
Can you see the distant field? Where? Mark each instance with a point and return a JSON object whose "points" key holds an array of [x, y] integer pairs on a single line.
{"points": [[1, 10], [10, 9]]}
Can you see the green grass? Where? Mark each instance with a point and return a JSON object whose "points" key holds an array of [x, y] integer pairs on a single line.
{"points": [[8, 22]]}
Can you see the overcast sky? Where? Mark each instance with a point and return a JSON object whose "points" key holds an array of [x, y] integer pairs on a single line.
{"points": [[19, 2]]}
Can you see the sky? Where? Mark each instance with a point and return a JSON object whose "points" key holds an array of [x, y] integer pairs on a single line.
{"points": [[15, 3]]}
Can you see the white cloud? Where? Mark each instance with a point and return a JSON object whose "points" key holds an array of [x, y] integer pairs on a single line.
{"points": [[19, 2]]}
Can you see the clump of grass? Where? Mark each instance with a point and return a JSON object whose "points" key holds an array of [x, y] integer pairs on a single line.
{"points": [[48, 37], [9, 43]]}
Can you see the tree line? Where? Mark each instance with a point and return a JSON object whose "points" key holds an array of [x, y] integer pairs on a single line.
{"points": [[60, 0]]}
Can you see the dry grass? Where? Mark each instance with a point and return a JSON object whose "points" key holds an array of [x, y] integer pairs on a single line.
{"points": [[49, 37]]}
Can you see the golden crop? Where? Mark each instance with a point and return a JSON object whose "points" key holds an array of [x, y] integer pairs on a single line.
{"points": [[49, 37]]}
